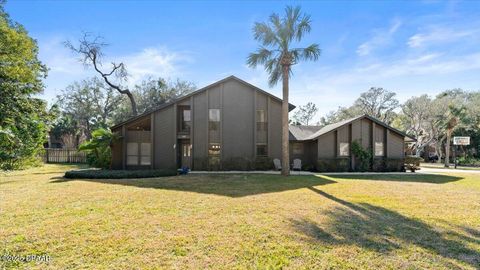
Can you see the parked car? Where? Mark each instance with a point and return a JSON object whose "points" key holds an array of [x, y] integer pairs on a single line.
{"points": [[432, 158]]}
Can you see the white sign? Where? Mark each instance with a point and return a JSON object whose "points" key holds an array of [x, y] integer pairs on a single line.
{"points": [[461, 140]]}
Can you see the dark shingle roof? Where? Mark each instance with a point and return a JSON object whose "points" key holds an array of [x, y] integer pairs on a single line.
{"points": [[299, 133], [290, 106]]}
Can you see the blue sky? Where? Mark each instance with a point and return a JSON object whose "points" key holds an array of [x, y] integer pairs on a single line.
{"points": [[410, 47]]}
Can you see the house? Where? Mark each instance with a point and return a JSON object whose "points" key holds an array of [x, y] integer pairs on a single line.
{"points": [[329, 148], [234, 125]]}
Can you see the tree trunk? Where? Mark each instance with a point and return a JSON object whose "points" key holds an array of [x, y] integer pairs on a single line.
{"points": [[285, 148], [447, 149]]}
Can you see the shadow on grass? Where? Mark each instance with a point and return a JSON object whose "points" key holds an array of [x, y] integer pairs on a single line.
{"points": [[382, 230], [226, 185], [421, 178]]}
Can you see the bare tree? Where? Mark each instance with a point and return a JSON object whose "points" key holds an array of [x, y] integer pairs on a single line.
{"points": [[90, 50]]}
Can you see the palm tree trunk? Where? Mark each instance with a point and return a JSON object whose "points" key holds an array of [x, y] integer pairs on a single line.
{"points": [[447, 149], [285, 150]]}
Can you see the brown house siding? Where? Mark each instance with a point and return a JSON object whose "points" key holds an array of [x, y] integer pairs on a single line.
{"points": [[238, 136], [200, 130], [238, 103], [165, 139]]}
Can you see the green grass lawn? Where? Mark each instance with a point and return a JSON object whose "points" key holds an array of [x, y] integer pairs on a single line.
{"points": [[241, 221]]}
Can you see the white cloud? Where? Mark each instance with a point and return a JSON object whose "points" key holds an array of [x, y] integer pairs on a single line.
{"points": [[429, 73], [438, 35], [154, 62], [380, 38]]}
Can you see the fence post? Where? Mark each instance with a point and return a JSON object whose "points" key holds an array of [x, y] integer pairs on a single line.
{"points": [[46, 153]]}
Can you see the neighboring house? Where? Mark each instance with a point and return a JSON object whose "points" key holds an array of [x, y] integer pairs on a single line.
{"points": [[233, 125]]}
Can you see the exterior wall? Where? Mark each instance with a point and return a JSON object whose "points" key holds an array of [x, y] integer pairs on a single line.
{"points": [[200, 129], [366, 126], [238, 121], [238, 104], [274, 129], [326, 146], [395, 148], [165, 139], [366, 132]]}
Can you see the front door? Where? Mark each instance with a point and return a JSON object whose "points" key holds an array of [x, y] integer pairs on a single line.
{"points": [[186, 155]]}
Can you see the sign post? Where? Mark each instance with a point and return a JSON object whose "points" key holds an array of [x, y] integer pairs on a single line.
{"points": [[459, 140]]}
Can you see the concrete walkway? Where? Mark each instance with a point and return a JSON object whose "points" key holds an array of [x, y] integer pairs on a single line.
{"points": [[298, 173], [445, 170], [422, 171]]}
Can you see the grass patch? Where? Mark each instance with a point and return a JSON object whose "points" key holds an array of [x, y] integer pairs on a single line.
{"points": [[410, 221], [117, 174]]}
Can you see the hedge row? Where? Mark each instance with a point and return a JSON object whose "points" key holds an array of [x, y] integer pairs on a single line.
{"points": [[118, 174]]}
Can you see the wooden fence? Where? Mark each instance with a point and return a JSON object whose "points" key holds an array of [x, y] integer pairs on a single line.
{"points": [[60, 155]]}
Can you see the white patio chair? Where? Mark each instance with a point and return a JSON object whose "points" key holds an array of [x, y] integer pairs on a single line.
{"points": [[297, 165], [277, 164]]}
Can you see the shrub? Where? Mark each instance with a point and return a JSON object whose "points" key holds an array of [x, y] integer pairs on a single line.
{"points": [[468, 161], [333, 165], [308, 167], [263, 164], [412, 163], [388, 164], [236, 164], [117, 174], [99, 153], [363, 156]]}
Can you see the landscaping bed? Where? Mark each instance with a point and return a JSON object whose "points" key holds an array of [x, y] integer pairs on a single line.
{"points": [[117, 174]]}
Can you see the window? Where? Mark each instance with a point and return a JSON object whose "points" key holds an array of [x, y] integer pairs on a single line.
{"points": [[132, 153], [261, 132], [378, 148], [297, 149], [344, 149], [261, 122], [186, 120], [186, 150], [145, 153], [214, 126], [138, 154], [262, 149], [214, 115]]}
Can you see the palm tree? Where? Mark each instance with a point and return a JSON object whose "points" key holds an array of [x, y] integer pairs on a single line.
{"points": [[453, 120], [277, 55], [100, 146]]}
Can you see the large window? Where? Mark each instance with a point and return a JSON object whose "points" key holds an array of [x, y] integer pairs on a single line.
{"points": [[379, 149], [214, 126], [145, 154], [344, 149], [261, 133], [261, 121], [138, 153], [132, 153], [186, 120]]}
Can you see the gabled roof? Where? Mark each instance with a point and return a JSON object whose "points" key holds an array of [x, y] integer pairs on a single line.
{"points": [[298, 133], [290, 106], [332, 127]]}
